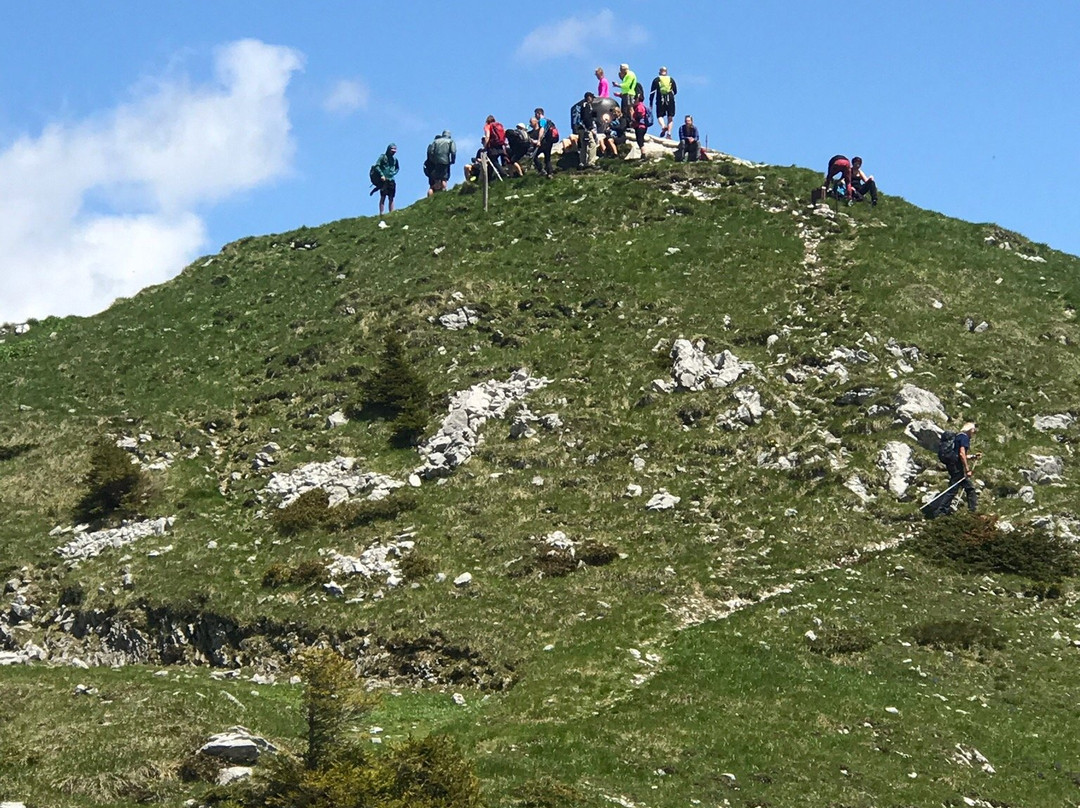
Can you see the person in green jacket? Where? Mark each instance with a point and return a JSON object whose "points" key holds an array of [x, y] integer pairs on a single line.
{"points": [[628, 89], [387, 168]]}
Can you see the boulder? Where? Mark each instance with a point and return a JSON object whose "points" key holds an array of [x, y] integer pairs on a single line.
{"points": [[237, 745], [900, 469], [230, 774], [925, 433], [1054, 423], [662, 501], [912, 401], [1045, 469]]}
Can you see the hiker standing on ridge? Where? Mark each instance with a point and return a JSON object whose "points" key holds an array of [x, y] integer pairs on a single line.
{"points": [[639, 118], [840, 165], [603, 87], [385, 170], [628, 89], [863, 184], [663, 93], [495, 141], [956, 455], [441, 154], [586, 132]]}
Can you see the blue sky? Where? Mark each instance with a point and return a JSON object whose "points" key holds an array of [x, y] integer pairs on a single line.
{"points": [[135, 137]]}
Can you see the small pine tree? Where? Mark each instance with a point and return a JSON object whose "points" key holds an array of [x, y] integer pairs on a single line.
{"points": [[333, 699], [116, 487], [398, 392]]}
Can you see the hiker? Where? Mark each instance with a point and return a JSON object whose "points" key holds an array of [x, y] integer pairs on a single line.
{"points": [[441, 154], [863, 184], [955, 454], [628, 89], [517, 146], [494, 141], [382, 177], [474, 168], [663, 94], [840, 165], [689, 142], [603, 87], [548, 136], [610, 128], [586, 132], [640, 122]]}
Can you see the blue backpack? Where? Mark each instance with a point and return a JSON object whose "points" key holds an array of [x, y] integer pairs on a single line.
{"points": [[648, 117]]}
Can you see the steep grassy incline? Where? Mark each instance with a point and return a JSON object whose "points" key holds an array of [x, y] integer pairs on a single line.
{"points": [[758, 644]]}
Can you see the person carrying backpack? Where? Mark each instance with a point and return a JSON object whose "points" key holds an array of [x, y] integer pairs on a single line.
{"points": [[549, 136], [585, 129], [662, 93], [441, 154], [641, 120], [495, 141], [954, 451], [382, 176]]}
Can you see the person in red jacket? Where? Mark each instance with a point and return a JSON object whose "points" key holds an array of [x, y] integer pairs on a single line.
{"points": [[639, 121], [840, 166]]}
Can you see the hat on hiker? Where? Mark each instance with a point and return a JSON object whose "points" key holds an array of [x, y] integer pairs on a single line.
{"points": [[663, 71], [522, 126], [968, 427]]}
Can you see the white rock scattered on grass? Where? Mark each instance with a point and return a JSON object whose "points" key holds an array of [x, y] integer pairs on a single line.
{"points": [[662, 500], [230, 774], [896, 460], [336, 477], [856, 486], [336, 419], [634, 490], [464, 579], [970, 756], [1054, 423], [459, 319], [459, 699], [87, 545], [380, 562], [469, 410], [693, 369], [1045, 469], [1027, 495], [237, 745]]}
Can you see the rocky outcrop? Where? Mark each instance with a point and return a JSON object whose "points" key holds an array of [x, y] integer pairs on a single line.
{"points": [[237, 745], [693, 369], [896, 460], [913, 402], [336, 477], [86, 545]]}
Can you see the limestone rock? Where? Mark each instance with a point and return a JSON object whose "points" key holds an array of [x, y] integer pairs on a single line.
{"points": [[1054, 423], [237, 745], [230, 774], [925, 433], [900, 469], [336, 419], [87, 545], [693, 369], [458, 319], [662, 501], [1045, 469], [912, 401]]}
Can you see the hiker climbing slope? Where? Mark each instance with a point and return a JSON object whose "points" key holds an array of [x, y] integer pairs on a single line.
{"points": [[383, 175], [955, 453]]}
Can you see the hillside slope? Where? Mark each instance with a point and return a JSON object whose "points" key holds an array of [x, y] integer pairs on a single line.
{"points": [[756, 643]]}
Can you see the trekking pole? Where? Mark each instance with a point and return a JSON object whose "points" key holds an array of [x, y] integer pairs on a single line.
{"points": [[484, 168], [930, 506]]}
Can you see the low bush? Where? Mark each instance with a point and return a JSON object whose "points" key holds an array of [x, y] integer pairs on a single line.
{"points": [[116, 487], [952, 635], [308, 511], [301, 573], [366, 511], [975, 543]]}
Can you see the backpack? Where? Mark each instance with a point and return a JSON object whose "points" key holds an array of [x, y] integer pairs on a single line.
{"points": [[947, 451], [664, 83], [648, 120], [375, 176], [552, 132], [575, 115], [439, 150], [498, 135]]}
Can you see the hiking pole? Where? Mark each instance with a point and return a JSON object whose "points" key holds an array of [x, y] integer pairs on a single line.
{"points": [[930, 506], [484, 168]]}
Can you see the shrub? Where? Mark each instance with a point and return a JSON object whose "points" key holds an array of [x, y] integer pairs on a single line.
{"points": [[415, 566], [364, 512], [302, 573], [307, 512], [116, 488], [974, 543], [840, 641], [198, 767], [956, 634], [596, 553]]}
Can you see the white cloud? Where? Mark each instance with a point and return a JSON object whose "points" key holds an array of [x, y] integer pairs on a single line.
{"points": [[347, 96], [579, 36], [101, 208]]}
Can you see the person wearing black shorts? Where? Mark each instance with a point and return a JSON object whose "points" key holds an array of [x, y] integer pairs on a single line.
{"points": [[662, 95]]}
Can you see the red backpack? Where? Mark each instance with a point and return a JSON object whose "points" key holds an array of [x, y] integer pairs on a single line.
{"points": [[497, 137], [552, 132]]}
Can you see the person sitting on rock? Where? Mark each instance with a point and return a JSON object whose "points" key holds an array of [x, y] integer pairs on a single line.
{"points": [[689, 142], [863, 184], [840, 167]]}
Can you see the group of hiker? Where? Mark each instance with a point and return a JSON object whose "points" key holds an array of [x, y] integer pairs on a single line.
{"points": [[848, 180], [599, 124]]}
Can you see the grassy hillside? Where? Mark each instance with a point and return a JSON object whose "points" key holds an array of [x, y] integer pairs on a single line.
{"points": [[774, 639]]}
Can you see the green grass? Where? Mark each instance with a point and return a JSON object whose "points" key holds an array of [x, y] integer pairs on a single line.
{"points": [[575, 279]]}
